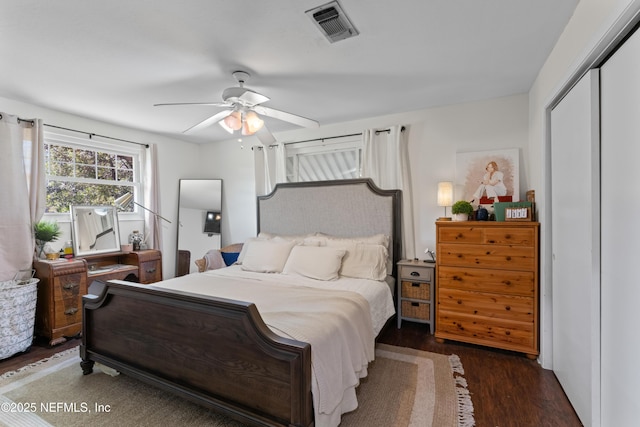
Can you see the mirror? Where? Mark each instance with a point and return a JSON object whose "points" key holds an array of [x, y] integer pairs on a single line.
{"points": [[199, 218], [94, 230]]}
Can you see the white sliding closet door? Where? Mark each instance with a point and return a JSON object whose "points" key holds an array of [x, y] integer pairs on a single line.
{"points": [[620, 188], [575, 221]]}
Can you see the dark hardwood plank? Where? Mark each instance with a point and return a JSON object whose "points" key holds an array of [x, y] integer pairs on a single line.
{"points": [[507, 389]]}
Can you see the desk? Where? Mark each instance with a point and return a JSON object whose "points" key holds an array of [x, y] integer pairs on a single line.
{"points": [[63, 283]]}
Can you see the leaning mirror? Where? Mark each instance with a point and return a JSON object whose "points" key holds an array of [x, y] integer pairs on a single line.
{"points": [[94, 229], [199, 219]]}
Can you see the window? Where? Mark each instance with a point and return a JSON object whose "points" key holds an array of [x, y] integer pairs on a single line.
{"points": [[81, 172], [339, 158]]}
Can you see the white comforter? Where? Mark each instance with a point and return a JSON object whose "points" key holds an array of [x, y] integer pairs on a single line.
{"points": [[340, 319]]}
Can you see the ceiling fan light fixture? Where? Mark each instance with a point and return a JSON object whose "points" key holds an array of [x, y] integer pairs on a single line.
{"points": [[252, 123], [232, 122]]}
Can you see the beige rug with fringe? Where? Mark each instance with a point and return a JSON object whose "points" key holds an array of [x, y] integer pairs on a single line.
{"points": [[404, 387]]}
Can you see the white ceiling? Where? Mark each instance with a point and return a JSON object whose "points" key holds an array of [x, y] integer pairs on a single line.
{"points": [[112, 60]]}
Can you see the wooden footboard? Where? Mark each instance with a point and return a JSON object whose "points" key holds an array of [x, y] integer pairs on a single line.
{"points": [[215, 352]]}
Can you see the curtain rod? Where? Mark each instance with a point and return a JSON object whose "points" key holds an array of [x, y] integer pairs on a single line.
{"points": [[337, 136], [91, 135]]}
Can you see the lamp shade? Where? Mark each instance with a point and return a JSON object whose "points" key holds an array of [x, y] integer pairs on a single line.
{"points": [[445, 193], [252, 123]]}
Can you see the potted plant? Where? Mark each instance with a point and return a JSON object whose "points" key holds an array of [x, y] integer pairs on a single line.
{"points": [[461, 210], [45, 232]]}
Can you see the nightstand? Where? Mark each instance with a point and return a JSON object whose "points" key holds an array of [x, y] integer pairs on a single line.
{"points": [[416, 292]]}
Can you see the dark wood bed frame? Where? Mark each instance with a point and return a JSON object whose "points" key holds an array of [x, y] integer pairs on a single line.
{"points": [[218, 352]]}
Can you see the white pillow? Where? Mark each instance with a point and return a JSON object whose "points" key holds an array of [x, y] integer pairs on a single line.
{"points": [[266, 256], [376, 239], [362, 260], [245, 246], [316, 262]]}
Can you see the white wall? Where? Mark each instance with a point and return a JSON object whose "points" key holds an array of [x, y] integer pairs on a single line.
{"points": [[435, 135], [175, 161]]}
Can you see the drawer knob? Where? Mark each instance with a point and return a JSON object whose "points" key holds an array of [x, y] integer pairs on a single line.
{"points": [[71, 311], [415, 284], [508, 258], [151, 270], [415, 304], [415, 274], [492, 241], [458, 278], [459, 301], [508, 308], [68, 286]]}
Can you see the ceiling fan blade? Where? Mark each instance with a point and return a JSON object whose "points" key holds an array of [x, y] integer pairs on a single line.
{"points": [[265, 136], [287, 117], [211, 120], [212, 104], [244, 96]]}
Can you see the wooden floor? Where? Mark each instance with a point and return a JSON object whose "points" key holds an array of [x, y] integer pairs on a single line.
{"points": [[507, 389]]}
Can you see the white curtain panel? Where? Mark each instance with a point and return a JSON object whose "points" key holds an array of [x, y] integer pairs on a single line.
{"points": [[22, 198], [270, 167], [385, 159], [152, 224]]}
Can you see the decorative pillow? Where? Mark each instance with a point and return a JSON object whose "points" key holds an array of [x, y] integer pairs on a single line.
{"points": [[362, 260], [316, 262], [230, 257], [266, 256]]}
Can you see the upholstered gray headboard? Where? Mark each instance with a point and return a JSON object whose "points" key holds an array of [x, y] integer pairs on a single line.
{"points": [[344, 208]]}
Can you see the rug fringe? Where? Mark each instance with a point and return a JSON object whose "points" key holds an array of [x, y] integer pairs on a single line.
{"points": [[9, 374], [465, 405]]}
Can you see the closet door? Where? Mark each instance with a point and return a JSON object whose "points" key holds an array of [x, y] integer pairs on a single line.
{"points": [[574, 223], [620, 158]]}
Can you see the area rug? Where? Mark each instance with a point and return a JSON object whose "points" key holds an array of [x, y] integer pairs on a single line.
{"points": [[404, 388]]}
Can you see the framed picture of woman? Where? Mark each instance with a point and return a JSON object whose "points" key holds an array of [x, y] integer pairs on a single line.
{"points": [[488, 175]]}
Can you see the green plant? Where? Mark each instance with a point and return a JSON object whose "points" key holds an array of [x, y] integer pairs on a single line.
{"points": [[462, 207], [46, 231]]}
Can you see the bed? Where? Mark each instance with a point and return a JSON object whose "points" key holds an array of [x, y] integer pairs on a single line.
{"points": [[219, 349]]}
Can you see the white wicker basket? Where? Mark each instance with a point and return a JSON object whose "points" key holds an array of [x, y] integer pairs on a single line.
{"points": [[17, 315]]}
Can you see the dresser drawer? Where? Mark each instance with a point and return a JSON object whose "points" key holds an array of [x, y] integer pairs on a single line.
{"points": [[150, 271], [501, 257], [486, 305], [485, 330], [416, 310], [69, 286], [68, 312], [515, 236], [484, 280], [416, 290], [510, 236], [461, 234], [410, 272]]}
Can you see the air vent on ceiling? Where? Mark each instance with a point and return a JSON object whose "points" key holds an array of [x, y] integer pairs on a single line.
{"points": [[332, 22]]}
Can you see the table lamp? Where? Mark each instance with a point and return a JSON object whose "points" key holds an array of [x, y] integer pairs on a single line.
{"points": [[445, 198]]}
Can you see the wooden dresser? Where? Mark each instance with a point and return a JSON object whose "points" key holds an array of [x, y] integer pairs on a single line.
{"points": [[487, 284], [64, 282]]}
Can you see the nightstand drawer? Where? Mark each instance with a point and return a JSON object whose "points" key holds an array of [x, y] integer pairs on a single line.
{"points": [[416, 310], [416, 290], [411, 272]]}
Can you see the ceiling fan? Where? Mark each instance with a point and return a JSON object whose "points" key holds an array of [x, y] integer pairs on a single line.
{"points": [[243, 110]]}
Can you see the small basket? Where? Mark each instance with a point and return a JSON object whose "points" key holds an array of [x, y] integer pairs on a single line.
{"points": [[17, 315]]}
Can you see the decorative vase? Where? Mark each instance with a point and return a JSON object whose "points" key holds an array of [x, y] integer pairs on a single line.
{"points": [[460, 217]]}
